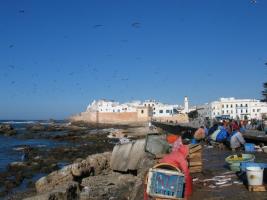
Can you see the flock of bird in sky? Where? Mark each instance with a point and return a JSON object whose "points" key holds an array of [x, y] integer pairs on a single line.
{"points": [[92, 70]]}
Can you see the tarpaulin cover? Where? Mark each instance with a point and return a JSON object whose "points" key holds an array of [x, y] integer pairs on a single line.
{"points": [[157, 144]]}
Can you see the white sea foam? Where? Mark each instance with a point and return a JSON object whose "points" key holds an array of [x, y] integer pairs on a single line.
{"points": [[19, 122]]}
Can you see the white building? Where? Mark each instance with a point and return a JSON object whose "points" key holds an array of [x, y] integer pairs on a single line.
{"points": [[238, 108], [158, 109], [162, 110], [112, 106]]}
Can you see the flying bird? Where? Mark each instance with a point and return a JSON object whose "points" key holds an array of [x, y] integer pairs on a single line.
{"points": [[11, 46], [11, 66], [136, 25], [21, 11], [253, 1], [98, 25]]}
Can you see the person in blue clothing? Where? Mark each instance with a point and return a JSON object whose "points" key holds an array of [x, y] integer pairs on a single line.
{"points": [[212, 129], [219, 135], [236, 140]]}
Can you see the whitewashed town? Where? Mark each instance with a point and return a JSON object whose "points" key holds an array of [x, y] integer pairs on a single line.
{"points": [[224, 108]]}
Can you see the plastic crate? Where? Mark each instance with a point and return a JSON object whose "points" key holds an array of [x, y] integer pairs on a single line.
{"points": [[244, 165], [164, 183], [250, 147]]}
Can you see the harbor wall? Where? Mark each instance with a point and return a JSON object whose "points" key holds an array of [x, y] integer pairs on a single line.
{"points": [[179, 118], [110, 118]]}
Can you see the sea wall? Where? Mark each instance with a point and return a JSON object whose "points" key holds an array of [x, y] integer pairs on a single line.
{"points": [[110, 118], [179, 118]]}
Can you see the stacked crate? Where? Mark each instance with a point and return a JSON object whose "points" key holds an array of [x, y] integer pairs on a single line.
{"points": [[195, 158]]}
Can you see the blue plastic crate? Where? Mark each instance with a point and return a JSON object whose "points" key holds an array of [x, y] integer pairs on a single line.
{"points": [[244, 165], [165, 183], [250, 147]]}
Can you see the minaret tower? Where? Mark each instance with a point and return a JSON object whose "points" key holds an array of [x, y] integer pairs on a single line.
{"points": [[186, 104]]}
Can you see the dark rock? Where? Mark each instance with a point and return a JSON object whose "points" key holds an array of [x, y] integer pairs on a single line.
{"points": [[16, 166], [69, 190], [7, 130], [37, 127]]}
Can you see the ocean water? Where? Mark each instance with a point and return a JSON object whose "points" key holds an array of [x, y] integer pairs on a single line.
{"points": [[9, 145]]}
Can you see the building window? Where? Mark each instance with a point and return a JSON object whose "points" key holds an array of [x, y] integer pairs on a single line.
{"points": [[227, 106], [231, 105], [253, 110], [167, 111], [213, 113], [227, 111], [241, 111], [160, 111], [241, 105], [119, 110], [246, 105], [142, 111], [154, 108], [246, 110], [231, 112], [223, 112], [236, 105], [154, 113], [222, 106], [258, 110]]}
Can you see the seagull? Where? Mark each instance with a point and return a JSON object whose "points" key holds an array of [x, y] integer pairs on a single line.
{"points": [[11, 66], [136, 24], [21, 11], [98, 26]]}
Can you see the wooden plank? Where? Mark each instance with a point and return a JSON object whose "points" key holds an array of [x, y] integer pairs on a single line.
{"points": [[194, 148], [197, 163], [195, 160], [257, 188], [197, 154], [195, 169]]}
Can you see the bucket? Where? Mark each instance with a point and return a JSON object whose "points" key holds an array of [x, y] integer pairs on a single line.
{"points": [[254, 175]]}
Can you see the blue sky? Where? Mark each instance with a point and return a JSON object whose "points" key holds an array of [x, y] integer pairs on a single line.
{"points": [[57, 56]]}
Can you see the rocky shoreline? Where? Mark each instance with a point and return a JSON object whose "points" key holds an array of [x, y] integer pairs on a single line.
{"points": [[76, 181], [81, 140]]}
